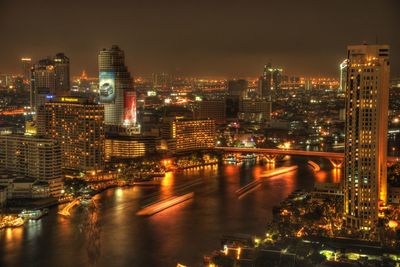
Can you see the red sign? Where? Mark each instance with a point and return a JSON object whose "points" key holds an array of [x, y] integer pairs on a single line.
{"points": [[130, 107]]}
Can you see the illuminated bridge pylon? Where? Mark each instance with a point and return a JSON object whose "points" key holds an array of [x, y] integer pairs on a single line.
{"points": [[270, 158], [336, 163]]}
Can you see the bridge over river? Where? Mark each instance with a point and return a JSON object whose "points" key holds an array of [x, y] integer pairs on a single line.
{"points": [[335, 158]]}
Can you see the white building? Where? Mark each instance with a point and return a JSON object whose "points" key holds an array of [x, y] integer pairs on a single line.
{"points": [[116, 88], [32, 158]]}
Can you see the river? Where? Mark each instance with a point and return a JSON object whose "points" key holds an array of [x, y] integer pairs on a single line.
{"points": [[110, 233]]}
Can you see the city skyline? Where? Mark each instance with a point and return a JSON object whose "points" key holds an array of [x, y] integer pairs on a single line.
{"points": [[200, 133], [207, 39]]}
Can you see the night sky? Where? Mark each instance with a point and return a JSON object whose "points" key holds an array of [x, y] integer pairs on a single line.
{"points": [[202, 38]]}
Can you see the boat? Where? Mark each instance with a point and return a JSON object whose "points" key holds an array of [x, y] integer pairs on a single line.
{"points": [[278, 171], [248, 187], [164, 204], [33, 214]]}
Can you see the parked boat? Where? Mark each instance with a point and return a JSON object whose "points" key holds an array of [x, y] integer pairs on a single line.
{"points": [[33, 214]]}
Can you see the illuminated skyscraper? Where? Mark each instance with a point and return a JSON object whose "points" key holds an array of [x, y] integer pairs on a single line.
{"points": [[367, 91], [116, 88], [61, 69], [49, 76], [78, 125], [271, 81], [42, 82]]}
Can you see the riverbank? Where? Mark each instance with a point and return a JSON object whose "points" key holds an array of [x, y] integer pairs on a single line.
{"points": [[170, 234], [197, 165], [309, 232], [18, 205]]}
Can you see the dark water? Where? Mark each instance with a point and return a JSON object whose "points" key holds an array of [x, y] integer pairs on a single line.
{"points": [[112, 235]]}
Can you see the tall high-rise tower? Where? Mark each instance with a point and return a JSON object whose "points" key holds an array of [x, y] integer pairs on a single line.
{"points": [[116, 88], [49, 77], [367, 91], [42, 83], [26, 69], [271, 81], [61, 69]]}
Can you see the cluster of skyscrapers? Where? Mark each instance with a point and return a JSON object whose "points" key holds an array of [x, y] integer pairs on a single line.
{"points": [[69, 133], [82, 134]]}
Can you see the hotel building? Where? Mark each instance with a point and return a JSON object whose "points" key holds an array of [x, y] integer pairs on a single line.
{"points": [[185, 135], [121, 147], [367, 88], [78, 124]]}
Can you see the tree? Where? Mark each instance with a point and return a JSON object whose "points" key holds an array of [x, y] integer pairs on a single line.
{"points": [[75, 186]]}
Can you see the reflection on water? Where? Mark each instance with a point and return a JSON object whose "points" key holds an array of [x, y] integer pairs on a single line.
{"points": [[13, 236], [110, 234], [321, 176], [92, 232], [33, 228], [336, 175]]}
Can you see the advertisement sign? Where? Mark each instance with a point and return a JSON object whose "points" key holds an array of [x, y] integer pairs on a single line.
{"points": [[107, 87], [130, 107]]}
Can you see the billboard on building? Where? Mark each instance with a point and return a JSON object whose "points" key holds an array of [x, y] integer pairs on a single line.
{"points": [[107, 87], [130, 107]]}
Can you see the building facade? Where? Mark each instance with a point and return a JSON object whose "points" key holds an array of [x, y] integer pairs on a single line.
{"points": [[365, 185], [78, 124], [237, 87], [26, 69], [62, 76], [116, 90], [212, 109], [255, 110], [32, 158], [270, 81], [49, 77], [122, 147], [184, 135]]}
